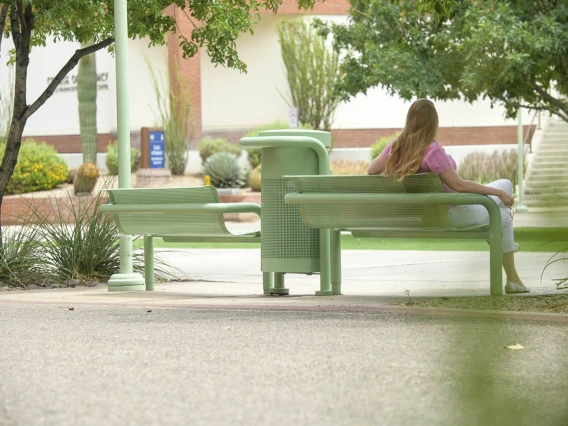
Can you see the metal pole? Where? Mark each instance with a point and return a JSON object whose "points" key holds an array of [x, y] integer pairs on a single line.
{"points": [[126, 280], [520, 208]]}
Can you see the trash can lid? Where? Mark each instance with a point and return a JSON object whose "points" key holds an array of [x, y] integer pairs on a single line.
{"points": [[323, 137]]}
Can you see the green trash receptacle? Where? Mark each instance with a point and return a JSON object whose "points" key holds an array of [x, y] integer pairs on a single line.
{"points": [[287, 244]]}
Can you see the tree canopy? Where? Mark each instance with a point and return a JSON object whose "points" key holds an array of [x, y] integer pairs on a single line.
{"points": [[217, 25], [513, 52]]}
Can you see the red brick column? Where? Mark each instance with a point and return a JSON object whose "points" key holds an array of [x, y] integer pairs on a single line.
{"points": [[190, 69]]}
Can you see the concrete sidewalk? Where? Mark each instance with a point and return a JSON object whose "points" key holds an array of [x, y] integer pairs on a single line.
{"points": [[232, 277]]}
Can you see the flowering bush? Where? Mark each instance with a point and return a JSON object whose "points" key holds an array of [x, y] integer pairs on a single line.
{"points": [[39, 168]]}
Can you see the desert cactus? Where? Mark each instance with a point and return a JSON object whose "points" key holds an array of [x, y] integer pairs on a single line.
{"points": [[87, 96], [85, 179], [255, 178], [224, 170]]}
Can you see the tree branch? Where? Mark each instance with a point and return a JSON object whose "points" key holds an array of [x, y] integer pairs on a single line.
{"points": [[534, 107], [71, 63], [15, 28], [562, 106], [20, 11], [3, 14]]}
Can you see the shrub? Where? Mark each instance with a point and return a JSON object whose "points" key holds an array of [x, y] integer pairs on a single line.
{"points": [[39, 168], [254, 157], [255, 178], [175, 113], [224, 170], [312, 70], [209, 146], [342, 167], [484, 167], [112, 158], [378, 147]]}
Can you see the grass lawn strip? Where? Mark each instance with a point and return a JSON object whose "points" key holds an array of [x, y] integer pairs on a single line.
{"points": [[547, 303], [530, 239]]}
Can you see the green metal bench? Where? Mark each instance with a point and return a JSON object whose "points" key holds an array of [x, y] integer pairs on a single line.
{"points": [[381, 207], [177, 215]]}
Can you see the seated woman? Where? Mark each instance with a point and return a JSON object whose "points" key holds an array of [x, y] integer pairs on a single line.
{"points": [[416, 151]]}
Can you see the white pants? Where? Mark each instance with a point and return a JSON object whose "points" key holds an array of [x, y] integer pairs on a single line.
{"points": [[477, 215]]}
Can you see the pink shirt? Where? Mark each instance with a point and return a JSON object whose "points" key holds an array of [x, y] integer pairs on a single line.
{"points": [[435, 160]]}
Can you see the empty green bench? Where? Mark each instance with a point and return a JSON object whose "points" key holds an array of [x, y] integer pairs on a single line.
{"points": [[381, 207], [192, 214]]}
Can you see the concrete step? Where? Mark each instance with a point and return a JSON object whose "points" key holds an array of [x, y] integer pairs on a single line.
{"points": [[552, 155], [539, 181], [557, 198], [538, 190], [548, 163], [561, 146], [546, 204], [559, 170]]}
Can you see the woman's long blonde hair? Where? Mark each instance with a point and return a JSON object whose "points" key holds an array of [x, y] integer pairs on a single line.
{"points": [[409, 148]]}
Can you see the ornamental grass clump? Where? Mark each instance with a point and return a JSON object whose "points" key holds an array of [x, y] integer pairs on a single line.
{"points": [[343, 167], [75, 242], [39, 168], [486, 167], [79, 242], [21, 257]]}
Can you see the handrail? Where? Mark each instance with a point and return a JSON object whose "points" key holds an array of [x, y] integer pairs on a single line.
{"points": [[529, 131]]}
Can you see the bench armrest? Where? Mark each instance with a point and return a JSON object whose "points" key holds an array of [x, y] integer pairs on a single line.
{"points": [[181, 208], [291, 142]]}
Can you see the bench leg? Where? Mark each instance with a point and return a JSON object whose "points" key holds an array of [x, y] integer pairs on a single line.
{"points": [[335, 262], [267, 282], [325, 273], [495, 266], [149, 262], [279, 284]]}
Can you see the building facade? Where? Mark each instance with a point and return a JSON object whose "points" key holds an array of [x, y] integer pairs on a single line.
{"points": [[227, 103]]}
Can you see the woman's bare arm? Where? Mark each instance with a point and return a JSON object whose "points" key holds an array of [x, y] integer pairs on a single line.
{"points": [[378, 165], [455, 182]]}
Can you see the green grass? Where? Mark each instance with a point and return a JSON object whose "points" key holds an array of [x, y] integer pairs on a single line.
{"points": [[530, 239]]}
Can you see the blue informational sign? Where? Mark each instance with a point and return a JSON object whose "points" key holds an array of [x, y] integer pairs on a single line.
{"points": [[157, 151]]}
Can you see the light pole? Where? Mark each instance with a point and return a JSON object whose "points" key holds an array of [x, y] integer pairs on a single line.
{"points": [[520, 208], [126, 280]]}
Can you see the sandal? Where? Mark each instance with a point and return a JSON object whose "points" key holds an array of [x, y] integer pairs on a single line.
{"points": [[512, 287]]}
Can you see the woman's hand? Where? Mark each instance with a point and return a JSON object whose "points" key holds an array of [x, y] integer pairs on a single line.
{"points": [[507, 199]]}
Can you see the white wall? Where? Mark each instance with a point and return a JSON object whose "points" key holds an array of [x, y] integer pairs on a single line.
{"points": [[59, 115], [234, 100]]}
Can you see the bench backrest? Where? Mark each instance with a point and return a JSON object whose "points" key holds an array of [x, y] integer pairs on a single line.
{"points": [[343, 215], [196, 223]]}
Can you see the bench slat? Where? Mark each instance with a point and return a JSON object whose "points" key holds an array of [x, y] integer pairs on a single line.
{"points": [[173, 211]]}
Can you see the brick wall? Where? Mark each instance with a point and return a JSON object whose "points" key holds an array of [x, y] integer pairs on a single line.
{"points": [[190, 68]]}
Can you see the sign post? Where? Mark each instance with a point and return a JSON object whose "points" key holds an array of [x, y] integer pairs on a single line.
{"points": [[153, 171], [520, 208]]}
